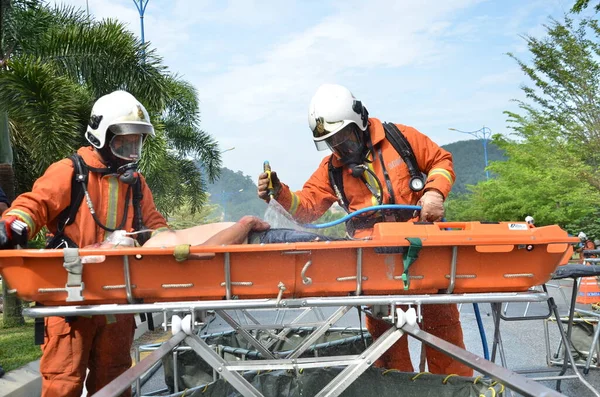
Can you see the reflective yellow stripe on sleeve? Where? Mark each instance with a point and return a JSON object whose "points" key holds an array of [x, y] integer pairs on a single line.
{"points": [[25, 217], [294, 206], [443, 172]]}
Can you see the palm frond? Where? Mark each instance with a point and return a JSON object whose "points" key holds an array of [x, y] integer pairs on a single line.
{"points": [[45, 105]]}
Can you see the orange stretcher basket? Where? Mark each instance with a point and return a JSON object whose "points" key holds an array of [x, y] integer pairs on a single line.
{"points": [[455, 257]]}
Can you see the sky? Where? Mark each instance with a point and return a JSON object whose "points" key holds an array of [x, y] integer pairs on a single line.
{"points": [[430, 64]]}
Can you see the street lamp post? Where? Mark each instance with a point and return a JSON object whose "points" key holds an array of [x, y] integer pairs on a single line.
{"points": [[141, 7], [484, 134]]}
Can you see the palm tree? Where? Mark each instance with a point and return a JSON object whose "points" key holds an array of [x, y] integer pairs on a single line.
{"points": [[59, 61], [54, 63]]}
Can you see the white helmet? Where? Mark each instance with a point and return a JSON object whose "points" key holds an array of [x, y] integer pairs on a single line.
{"points": [[126, 118], [582, 236], [332, 108], [529, 219]]}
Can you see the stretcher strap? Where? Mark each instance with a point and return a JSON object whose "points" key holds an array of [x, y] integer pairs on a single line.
{"points": [[181, 252], [74, 268], [411, 255]]}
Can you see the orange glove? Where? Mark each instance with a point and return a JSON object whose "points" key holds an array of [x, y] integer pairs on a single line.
{"points": [[432, 206]]}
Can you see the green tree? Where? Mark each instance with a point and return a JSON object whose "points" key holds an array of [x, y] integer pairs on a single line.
{"points": [[565, 72], [541, 178], [552, 171], [59, 61], [581, 5], [183, 218], [235, 194]]}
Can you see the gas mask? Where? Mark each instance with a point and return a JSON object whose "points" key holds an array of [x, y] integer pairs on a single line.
{"points": [[122, 154], [348, 144]]}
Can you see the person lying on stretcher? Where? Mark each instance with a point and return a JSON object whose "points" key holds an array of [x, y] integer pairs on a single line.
{"points": [[249, 229]]}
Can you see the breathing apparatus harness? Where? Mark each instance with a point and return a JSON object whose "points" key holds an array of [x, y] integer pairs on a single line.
{"points": [[127, 174], [416, 183]]}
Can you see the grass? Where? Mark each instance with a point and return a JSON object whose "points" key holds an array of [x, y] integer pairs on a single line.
{"points": [[16, 345]]}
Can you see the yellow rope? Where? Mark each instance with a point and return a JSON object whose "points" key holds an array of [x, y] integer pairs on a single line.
{"points": [[584, 319], [493, 391], [390, 370], [477, 379], [501, 388], [205, 389], [448, 377], [419, 374], [185, 391], [301, 370]]}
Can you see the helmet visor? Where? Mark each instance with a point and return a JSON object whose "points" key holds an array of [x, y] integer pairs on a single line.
{"points": [[324, 130], [346, 142], [132, 127], [127, 147]]}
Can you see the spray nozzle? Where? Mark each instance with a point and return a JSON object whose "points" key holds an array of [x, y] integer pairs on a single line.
{"points": [[267, 170]]}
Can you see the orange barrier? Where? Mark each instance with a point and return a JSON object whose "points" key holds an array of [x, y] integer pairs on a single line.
{"points": [[489, 258], [589, 291]]}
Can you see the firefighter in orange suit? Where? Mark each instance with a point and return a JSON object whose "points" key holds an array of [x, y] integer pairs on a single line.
{"points": [[372, 173], [117, 128]]}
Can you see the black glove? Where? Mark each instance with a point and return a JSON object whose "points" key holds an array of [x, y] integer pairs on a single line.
{"points": [[5, 240], [12, 232], [264, 191]]}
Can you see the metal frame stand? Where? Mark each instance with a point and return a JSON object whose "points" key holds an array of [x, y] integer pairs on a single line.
{"points": [[355, 365], [568, 359]]}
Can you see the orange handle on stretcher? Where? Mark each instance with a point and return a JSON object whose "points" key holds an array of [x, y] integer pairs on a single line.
{"points": [[452, 225]]}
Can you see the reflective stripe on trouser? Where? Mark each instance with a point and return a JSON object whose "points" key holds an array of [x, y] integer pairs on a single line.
{"points": [[87, 342], [442, 321]]}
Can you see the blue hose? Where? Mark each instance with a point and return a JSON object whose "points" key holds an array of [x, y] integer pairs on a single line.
{"points": [[362, 211], [486, 352]]}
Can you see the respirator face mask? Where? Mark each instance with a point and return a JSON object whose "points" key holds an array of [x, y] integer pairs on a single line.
{"points": [[127, 147], [122, 155], [348, 145]]}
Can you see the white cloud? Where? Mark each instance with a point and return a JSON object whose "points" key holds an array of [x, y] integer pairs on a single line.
{"points": [[432, 64]]}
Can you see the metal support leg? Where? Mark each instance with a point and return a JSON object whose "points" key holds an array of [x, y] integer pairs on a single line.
{"points": [[282, 335], [507, 377], [567, 347], [368, 357], [138, 385], [496, 308], [316, 334], [124, 381], [592, 351], [213, 359], [567, 339], [252, 340], [175, 371]]}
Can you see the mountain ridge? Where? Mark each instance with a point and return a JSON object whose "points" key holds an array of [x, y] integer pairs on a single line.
{"points": [[235, 192]]}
